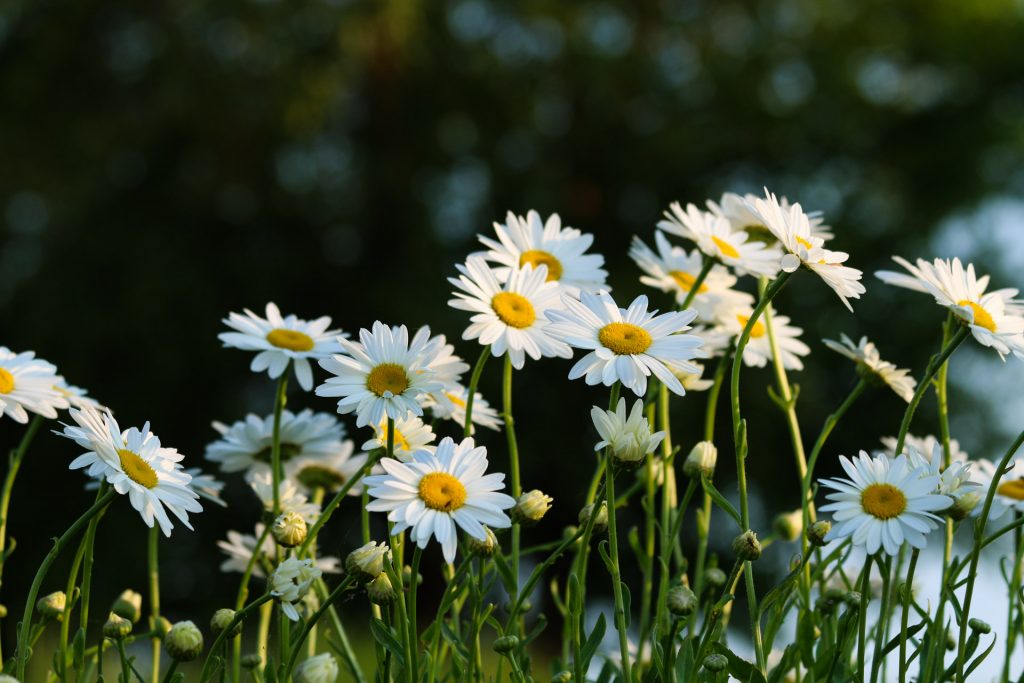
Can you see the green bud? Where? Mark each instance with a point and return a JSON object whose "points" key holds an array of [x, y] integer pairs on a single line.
{"points": [[184, 642], [505, 644], [701, 461], [366, 563], [163, 627], [562, 677], [221, 619], [715, 663], [817, 532], [746, 546], [128, 606], [979, 626], [789, 525], [52, 606], [3, 611], [380, 591], [486, 547], [964, 505], [681, 601], [407, 576], [116, 627], [251, 661], [715, 577]]}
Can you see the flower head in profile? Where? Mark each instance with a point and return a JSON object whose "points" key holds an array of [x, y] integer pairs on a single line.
{"points": [[280, 340], [758, 350], [450, 404], [995, 317], [870, 365], [628, 435], [77, 397], [674, 271], [383, 374], [328, 471], [246, 445], [240, 547], [736, 209], [718, 239], [436, 492], [135, 464], [321, 668], [28, 384], [792, 227], [411, 434], [625, 344], [289, 496], [206, 485], [509, 316], [290, 583], [884, 503], [535, 242], [1010, 491]]}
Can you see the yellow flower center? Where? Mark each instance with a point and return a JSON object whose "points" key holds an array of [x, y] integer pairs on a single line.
{"points": [[513, 309], [724, 247], [982, 318], [883, 501], [805, 243], [293, 340], [624, 339], [443, 492], [6, 381], [1012, 489], [756, 331], [456, 400], [685, 281], [401, 443], [387, 378], [536, 257], [137, 469]]}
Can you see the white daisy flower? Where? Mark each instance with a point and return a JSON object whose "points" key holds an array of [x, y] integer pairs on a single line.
{"points": [[280, 340], [247, 444], [924, 444], [28, 383], [322, 668], [1009, 493], [758, 351], [531, 241], [239, 548], [792, 227], [865, 355], [674, 271], [693, 381], [927, 455], [291, 581], [884, 503], [411, 435], [329, 471], [628, 435], [994, 318], [435, 492], [625, 345], [77, 397], [292, 500], [134, 464], [383, 373], [451, 405], [206, 485], [717, 239], [509, 317], [736, 209], [446, 366]]}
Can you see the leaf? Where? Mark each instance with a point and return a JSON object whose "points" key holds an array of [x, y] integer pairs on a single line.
{"points": [[721, 502], [974, 665], [641, 556], [575, 595], [895, 642], [505, 571], [593, 641], [627, 600], [782, 590], [739, 668], [385, 635], [602, 548], [542, 622]]}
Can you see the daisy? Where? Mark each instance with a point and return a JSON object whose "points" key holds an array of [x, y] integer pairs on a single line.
{"points": [[77, 397], [206, 486], [322, 668], [383, 374], [626, 345], [446, 366], [28, 383], [435, 492], [280, 341], [451, 405], [994, 318], [329, 471], [134, 464], [870, 364], [673, 270], [508, 317], [736, 209], [291, 499], [884, 503], [530, 241], [239, 548], [1010, 492], [717, 239], [792, 227], [247, 444], [924, 444], [411, 435], [290, 583], [758, 350], [693, 381], [628, 435]]}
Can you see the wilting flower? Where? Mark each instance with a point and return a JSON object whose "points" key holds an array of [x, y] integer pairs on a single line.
{"points": [[291, 581], [28, 383], [718, 239], [865, 355], [628, 436]]}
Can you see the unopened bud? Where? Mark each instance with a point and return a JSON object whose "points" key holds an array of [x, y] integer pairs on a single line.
{"points": [[222, 619], [746, 546], [789, 525], [715, 577], [701, 461], [486, 547], [251, 661], [979, 626], [184, 642], [715, 663], [407, 576], [505, 644], [367, 562], [681, 601], [853, 599], [531, 507], [964, 505], [52, 606], [289, 529], [569, 532], [600, 519], [128, 605], [380, 591], [163, 627], [817, 533], [562, 677], [322, 668], [116, 627]]}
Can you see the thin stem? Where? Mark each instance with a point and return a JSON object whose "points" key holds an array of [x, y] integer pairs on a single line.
{"points": [[154, 595], [613, 551], [883, 618], [705, 268], [1015, 582], [513, 460], [336, 501], [908, 597], [242, 596], [223, 635], [277, 473], [325, 605], [474, 379], [171, 669], [125, 667], [417, 554], [865, 597]]}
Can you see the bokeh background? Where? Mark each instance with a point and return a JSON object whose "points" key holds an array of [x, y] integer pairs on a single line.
{"points": [[167, 162]]}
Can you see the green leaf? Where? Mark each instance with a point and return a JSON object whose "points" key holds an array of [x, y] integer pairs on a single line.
{"points": [[542, 622], [627, 601], [739, 668], [505, 571], [593, 641], [575, 595], [974, 665], [895, 642], [721, 502], [602, 548], [782, 590], [385, 635], [641, 556]]}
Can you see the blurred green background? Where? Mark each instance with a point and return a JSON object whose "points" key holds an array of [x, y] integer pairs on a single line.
{"points": [[167, 162]]}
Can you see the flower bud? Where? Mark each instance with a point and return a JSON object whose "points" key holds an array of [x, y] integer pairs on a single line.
{"points": [[289, 529], [681, 601], [251, 661], [52, 606], [570, 531], [562, 677], [817, 533], [964, 505], [3, 611], [979, 626], [221, 619], [319, 669], [116, 627], [746, 546], [380, 590], [715, 663], [789, 525], [366, 563], [407, 577], [4, 678], [701, 461], [184, 642], [524, 607], [128, 606], [505, 644], [715, 577], [486, 547], [853, 599], [830, 600], [600, 521], [531, 507], [163, 627]]}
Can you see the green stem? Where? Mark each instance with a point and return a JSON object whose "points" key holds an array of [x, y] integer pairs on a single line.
{"points": [[33, 593], [325, 605], [154, 595], [474, 379], [908, 597], [613, 549], [513, 460], [536, 575], [240, 616], [1015, 582], [865, 598], [705, 268], [417, 554], [883, 618], [125, 667], [172, 668], [336, 501], [242, 596], [277, 472]]}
